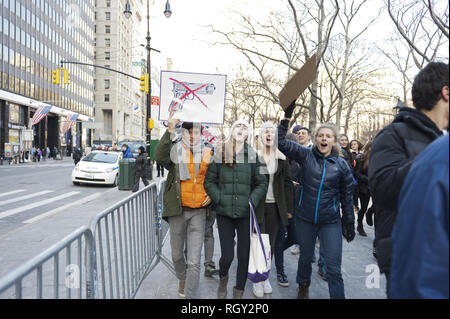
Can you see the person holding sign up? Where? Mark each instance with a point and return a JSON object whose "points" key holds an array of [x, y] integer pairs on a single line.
{"points": [[185, 198]]}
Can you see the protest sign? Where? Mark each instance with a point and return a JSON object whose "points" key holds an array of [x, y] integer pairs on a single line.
{"points": [[193, 97], [298, 83]]}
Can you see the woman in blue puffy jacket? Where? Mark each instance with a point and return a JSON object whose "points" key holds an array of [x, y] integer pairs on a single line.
{"points": [[327, 185]]}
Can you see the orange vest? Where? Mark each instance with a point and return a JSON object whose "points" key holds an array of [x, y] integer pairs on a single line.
{"points": [[193, 193]]}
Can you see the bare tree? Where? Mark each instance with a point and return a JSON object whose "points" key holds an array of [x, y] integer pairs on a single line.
{"points": [[423, 29]]}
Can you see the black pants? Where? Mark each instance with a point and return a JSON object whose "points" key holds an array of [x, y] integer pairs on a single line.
{"points": [[160, 169], [365, 198], [271, 223], [137, 177], [227, 228]]}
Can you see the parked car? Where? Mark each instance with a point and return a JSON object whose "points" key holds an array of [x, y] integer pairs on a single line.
{"points": [[98, 167], [133, 145]]}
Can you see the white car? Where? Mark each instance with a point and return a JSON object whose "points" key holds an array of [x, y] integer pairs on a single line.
{"points": [[98, 167]]}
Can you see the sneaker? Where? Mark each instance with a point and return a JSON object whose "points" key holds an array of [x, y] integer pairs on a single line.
{"points": [[211, 270], [181, 288], [258, 289], [282, 280], [322, 272], [295, 250], [267, 287]]}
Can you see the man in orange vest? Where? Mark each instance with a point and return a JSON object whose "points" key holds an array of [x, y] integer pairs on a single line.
{"points": [[185, 198]]}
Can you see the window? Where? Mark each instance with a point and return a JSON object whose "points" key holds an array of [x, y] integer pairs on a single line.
{"points": [[107, 56], [106, 97], [108, 15], [108, 43], [107, 84], [107, 29], [108, 3]]}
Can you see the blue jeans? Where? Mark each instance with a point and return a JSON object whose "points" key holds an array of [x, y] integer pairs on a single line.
{"points": [[330, 245]]}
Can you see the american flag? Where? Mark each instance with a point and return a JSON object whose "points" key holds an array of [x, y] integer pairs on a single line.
{"points": [[70, 120], [40, 113]]}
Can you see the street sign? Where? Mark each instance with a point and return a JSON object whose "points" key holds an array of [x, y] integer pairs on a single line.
{"points": [[155, 100], [139, 63]]}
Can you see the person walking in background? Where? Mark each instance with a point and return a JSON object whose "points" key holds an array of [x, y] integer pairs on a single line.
{"points": [[140, 169], [420, 240], [396, 146], [355, 150], [234, 177], [327, 184], [345, 149], [76, 155], [126, 151], [286, 237], [276, 209], [160, 169], [361, 174], [48, 153], [185, 199]]}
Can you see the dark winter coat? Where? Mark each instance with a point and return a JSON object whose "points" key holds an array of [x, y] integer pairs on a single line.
{"points": [[361, 175], [420, 238], [327, 182], [231, 188], [393, 151], [282, 190], [140, 166], [296, 176]]}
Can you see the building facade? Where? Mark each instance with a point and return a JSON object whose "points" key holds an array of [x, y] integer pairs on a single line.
{"points": [[35, 35], [119, 104]]}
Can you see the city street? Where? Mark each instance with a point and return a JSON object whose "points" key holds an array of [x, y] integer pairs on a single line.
{"points": [[39, 205]]}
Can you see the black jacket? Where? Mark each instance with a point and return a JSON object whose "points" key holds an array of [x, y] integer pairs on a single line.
{"points": [[361, 175], [282, 190], [327, 182], [140, 166], [393, 151]]}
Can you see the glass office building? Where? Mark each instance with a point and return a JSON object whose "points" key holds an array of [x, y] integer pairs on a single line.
{"points": [[35, 35]]}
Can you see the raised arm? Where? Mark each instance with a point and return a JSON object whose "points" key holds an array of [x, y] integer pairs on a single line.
{"points": [[289, 148]]}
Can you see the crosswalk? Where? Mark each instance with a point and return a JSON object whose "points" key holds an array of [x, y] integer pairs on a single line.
{"points": [[27, 166], [30, 206]]}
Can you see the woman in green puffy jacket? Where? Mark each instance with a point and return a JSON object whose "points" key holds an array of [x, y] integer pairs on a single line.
{"points": [[232, 179]]}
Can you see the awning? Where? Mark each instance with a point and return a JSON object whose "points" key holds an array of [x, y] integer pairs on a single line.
{"points": [[19, 99]]}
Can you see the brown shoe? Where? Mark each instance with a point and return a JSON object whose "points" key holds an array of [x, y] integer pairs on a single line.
{"points": [[222, 290], [360, 230], [303, 291], [181, 288], [237, 293]]}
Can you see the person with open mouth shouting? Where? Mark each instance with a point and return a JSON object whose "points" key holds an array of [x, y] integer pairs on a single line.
{"points": [[327, 185]]}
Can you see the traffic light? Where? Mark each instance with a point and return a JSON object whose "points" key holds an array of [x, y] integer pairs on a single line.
{"points": [[66, 76], [151, 124], [56, 78], [144, 83]]}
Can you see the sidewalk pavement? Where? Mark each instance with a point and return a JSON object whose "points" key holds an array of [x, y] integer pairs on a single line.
{"points": [[359, 272]]}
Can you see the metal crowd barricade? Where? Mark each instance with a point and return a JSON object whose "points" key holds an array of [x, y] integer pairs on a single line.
{"points": [[121, 247], [78, 271], [126, 243]]}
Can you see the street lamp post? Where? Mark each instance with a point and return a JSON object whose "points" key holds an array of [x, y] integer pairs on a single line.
{"points": [[167, 12]]}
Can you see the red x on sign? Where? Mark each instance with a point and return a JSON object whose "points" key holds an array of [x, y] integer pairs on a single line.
{"points": [[188, 92]]}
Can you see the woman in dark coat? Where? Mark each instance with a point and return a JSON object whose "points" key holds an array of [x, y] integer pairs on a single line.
{"points": [[327, 184], [140, 169], [361, 174]]}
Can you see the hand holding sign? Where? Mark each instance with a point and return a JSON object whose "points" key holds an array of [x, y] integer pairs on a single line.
{"points": [[298, 83]]}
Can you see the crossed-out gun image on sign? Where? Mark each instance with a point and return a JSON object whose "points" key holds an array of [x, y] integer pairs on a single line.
{"points": [[183, 91]]}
